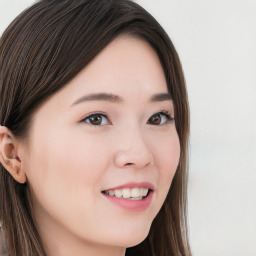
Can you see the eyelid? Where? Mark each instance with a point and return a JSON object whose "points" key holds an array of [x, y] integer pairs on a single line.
{"points": [[165, 112], [83, 120], [167, 116]]}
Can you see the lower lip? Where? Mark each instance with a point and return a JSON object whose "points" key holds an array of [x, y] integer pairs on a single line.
{"points": [[132, 205]]}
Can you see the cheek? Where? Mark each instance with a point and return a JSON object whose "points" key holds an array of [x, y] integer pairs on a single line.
{"points": [[65, 166], [76, 162], [168, 155], [65, 175]]}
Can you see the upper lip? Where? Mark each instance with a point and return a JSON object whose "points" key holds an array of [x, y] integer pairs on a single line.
{"points": [[134, 185]]}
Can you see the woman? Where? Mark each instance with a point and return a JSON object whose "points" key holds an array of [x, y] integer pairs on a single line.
{"points": [[94, 131]]}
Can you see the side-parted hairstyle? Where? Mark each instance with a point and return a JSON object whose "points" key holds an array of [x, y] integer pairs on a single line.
{"points": [[45, 47]]}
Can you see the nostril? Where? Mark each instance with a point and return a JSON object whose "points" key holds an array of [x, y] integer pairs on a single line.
{"points": [[129, 164]]}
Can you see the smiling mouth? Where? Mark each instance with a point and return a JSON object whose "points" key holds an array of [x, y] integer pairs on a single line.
{"points": [[129, 193]]}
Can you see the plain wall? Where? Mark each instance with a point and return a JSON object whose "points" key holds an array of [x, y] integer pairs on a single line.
{"points": [[216, 41]]}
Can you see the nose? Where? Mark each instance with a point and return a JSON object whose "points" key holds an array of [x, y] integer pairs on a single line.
{"points": [[133, 150]]}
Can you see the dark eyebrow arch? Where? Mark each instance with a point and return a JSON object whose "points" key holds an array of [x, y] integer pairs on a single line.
{"points": [[117, 99], [99, 97], [160, 97]]}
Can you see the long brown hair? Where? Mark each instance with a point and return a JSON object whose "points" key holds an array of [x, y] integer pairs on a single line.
{"points": [[40, 52]]}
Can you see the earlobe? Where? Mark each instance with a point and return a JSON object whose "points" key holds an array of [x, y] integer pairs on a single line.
{"points": [[9, 156]]}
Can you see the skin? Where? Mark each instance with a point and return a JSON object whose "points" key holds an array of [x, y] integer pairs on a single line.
{"points": [[67, 161]]}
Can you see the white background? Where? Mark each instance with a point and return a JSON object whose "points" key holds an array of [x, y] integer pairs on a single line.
{"points": [[216, 41]]}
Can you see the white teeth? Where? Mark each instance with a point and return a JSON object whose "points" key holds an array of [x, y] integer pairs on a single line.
{"points": [[144, 191], [111, 193], [118, 193], [128, 193], [135, 192]]}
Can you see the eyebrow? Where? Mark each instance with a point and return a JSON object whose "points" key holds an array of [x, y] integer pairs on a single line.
{"points": [[117, 99], [99, 97], [160, 97]]}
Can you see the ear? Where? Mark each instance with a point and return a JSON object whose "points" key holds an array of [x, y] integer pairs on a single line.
{"points": [[9, 156]]}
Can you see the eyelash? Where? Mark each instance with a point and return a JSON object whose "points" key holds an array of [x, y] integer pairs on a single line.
{"points": [[94, 115], [166, 114]]}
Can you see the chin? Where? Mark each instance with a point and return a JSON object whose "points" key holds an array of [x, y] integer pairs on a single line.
{"points": [[134, 242], [132, 238]]}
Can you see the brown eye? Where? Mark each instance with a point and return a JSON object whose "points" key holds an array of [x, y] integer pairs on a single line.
{"points": [[96, 119], [160, 118], [155, 120]]}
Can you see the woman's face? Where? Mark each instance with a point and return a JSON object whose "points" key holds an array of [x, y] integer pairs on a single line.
{"points": [[108, 134]]}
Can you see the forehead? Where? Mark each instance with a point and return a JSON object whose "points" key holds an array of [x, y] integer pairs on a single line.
{"points": [[127, 63], [128, 67]]}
